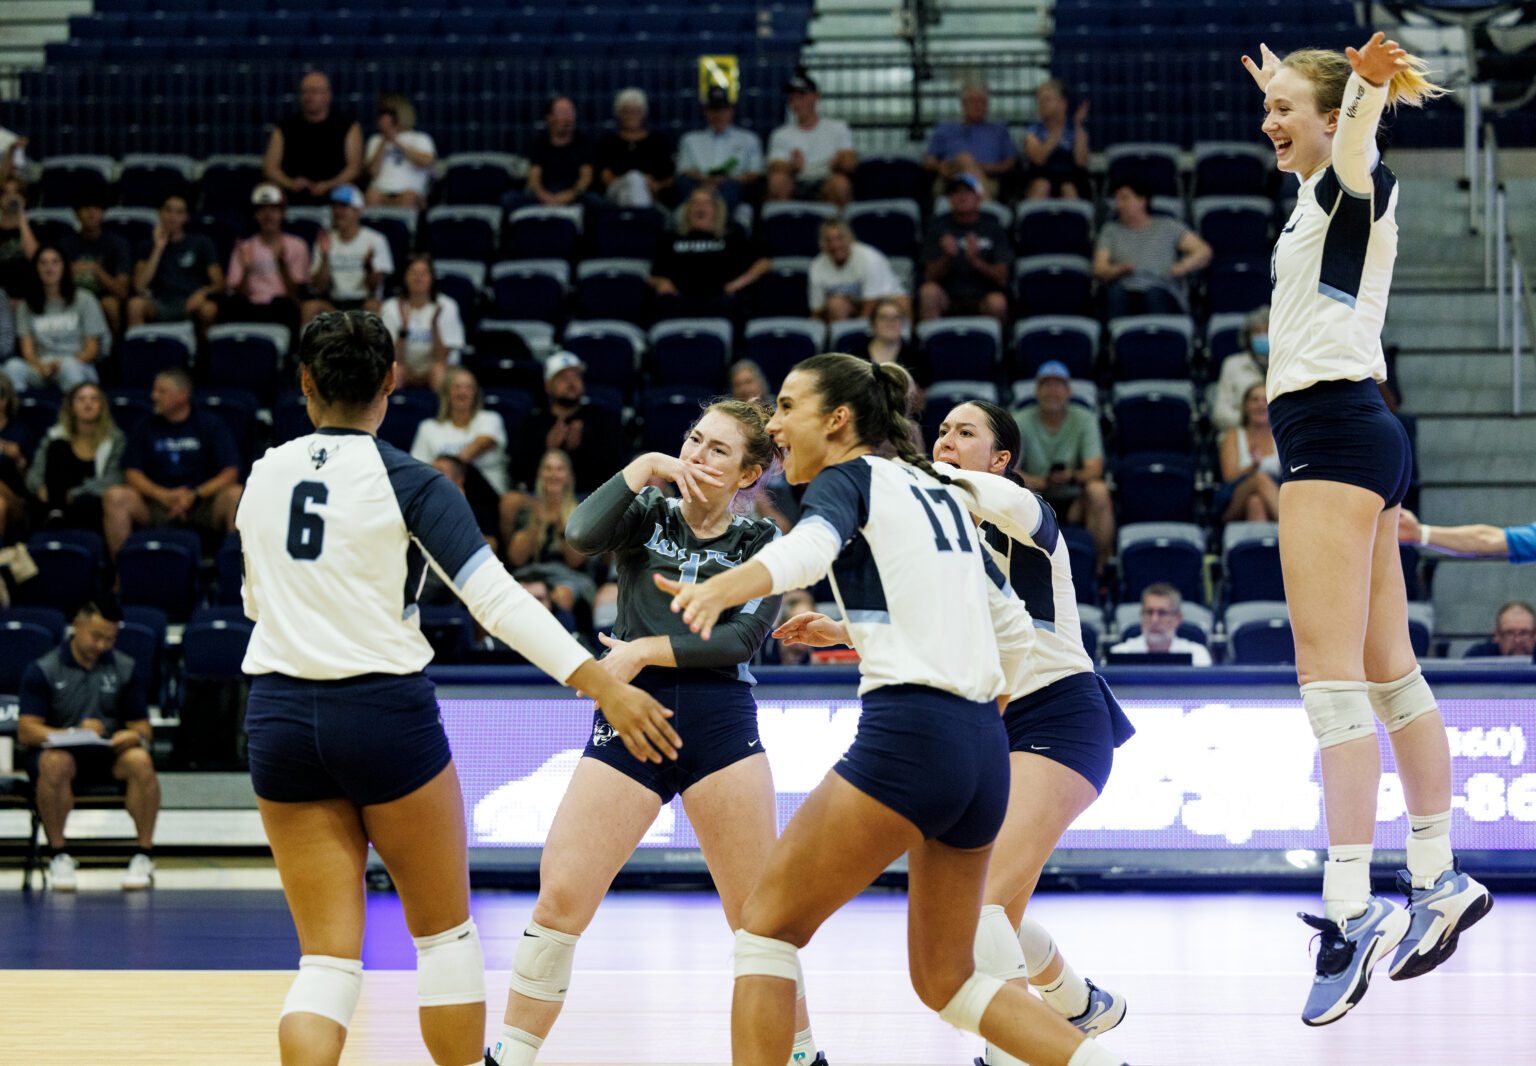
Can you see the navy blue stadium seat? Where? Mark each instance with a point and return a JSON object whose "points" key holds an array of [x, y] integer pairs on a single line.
{"points": [[236, 410], [69, 571], [889, 178], [463, 232], [792, 228], [1155, 487], [1053, 227], [462, 281], [1150, 552], [889, 225], [848, 337], [783, 292], [130, 407], [1083, 554], [408, 408], [449, 629], [1072, 340], [1235, 225], [213, 644], [1259, 634], [1226, 168], [963, 348], [52, 619], [227, 182], [625, 232], [1154, 416], [69, 178], [158, 568], [513, 405], [543, 232], [146, 180], [531, 289], [147, 350], [612, 351], [247, 356], [290, 418], [135, 225], [1053, 285], [523, 374], [1223, 337], [1238, 284], [1251, 560], [1151, 347], [141, 637], [21, 644], [476, 178], [230, 567], [613, 288], [666, 412], [39, 412], [1155, 164], [398, 227], [690, 351], [777, 344]]}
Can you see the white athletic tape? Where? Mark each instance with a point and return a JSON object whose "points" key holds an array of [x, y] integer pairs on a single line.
{"points": [[541, 968], [761, 956], [1339, 711], [1398, 703], [450, 967], [327, 986], [964, 1011]]}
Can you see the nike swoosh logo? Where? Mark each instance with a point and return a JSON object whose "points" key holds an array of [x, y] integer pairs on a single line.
{"points": [[1039, 747], [1303, 466], [753, 743]]}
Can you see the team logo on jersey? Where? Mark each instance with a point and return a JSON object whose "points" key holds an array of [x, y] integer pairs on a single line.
{"points": [[602, 733], [319, 453]]}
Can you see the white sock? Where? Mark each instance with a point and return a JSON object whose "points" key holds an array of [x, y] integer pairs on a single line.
{"points": [[804, 1052], [1347, 881], [1068, 994], [1429, 847], [1036, 943], [1092, 1053], [515, 1047]]}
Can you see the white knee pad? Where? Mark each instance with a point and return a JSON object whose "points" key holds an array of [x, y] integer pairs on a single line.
{"points": [[799, 978], [997, 946], [1397, 703], [450, 967], [1339, 711], [326, 986], [761, 956], [964, 1011], [542, 967]]}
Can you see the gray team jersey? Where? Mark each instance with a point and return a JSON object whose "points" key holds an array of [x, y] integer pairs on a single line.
{"points": [[647, 532]]}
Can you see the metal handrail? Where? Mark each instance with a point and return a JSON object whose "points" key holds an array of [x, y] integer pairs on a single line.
{"points": [[1516, 304]]}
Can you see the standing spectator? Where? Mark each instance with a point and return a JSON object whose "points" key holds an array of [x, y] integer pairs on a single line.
{"points": [[13, 153], [1064, 457], [101, 261], [350, 262], [1250, 465], [634, 161], [177, 274], [973, 145], [889, 342], [1162, 612], [722, 155], [18, 244], [966, 258], [703, 265], [85, 687], [399, 158], [1056, 154], [15, 447], [589, 434], [559, 161], [426, 325], [1242, 370], [316, 148], [849, 276], [60, 329], [268, 272], [1143, 259], [180, 468], [79, 460], [464, 430], [811, 158], [749, 383]]}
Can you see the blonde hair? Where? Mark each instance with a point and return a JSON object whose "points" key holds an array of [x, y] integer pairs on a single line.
{"points": [[1328, 71], [568, 497], [630, 97], [722, 213], [443, 405], [105, 426], [400, 107]]}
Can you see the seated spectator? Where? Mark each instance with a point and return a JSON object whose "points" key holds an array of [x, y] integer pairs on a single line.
{"points": [[1514, 634], [1250, 465], [849, 276], [810, 158], [350, 262], [749, 383], [18, 244], [1055, 154], [15, 447], [1162, 611], [705, 262], [316, 148], [588, 434], [434, 590], [559, 162], [85, 687], [966, 258], [269, 271], [633, 161], [426, 325], [79, 460], [101, 261], [399, 158], [973, 145], [1143, 259], [176, 275], [180, 467], [722, 155], [538, 537], [795, 602], [13, 153], [1064, 457], [463, 430], [60, 330], [889, 342], [7, 330], [1242, 370]]}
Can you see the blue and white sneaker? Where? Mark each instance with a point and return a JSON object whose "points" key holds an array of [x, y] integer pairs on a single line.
{"points": [[1438, 914], [1105, 1010], [1346, 955]]}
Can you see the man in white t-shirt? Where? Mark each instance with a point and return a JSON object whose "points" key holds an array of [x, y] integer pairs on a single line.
{"points": [[811, 158], [399, 158], [849, 277], [350, 261], [1162, 611]]}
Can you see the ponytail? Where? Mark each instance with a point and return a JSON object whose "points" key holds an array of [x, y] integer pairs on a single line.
{"points": [[894, 386], [1329, 71], [1412, 86], [878, 396]]}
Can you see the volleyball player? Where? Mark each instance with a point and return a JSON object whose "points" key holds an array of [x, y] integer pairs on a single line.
{"points": [[1063, 726], [939, 637], [722, 774], [1345, 466], [346, 744]]}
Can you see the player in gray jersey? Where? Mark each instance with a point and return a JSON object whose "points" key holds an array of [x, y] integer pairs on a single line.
{"points": [[721, 773]]}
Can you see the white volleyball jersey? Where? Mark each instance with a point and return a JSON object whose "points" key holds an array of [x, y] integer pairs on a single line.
{"points": [[923, 601], [1020, 531], [1332, 264], [337, 529]]}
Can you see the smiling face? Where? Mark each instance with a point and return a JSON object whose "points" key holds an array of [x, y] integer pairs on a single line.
{"points": [[837, 243], [1302, 135], [718, 440], [554, 475], [1255, 407], [418, 280], [801, 429], [461, 394], [965, 440]]}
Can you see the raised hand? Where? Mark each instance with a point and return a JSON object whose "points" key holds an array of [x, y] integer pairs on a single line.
{"points": [[1262, 74], [688, 477], [813, 629], [1378, 59]]}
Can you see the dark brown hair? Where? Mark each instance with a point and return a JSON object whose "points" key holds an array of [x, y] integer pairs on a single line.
{"points": [[879, 397]]}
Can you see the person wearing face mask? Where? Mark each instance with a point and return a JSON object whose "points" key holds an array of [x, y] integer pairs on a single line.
{"points": [[1242, 370]]}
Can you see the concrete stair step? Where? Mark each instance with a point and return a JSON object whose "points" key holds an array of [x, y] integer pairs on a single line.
{"points": [[1454, 383], [1476, 449], [1469, 592], [1494, 505], [1439, 320]]}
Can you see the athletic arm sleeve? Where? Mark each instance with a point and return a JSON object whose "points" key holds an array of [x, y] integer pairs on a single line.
{"points": [[609, 518], [1522, 543], [441, 523], [834, 508], [1354, 145], [1010, 507], [737, 638]]}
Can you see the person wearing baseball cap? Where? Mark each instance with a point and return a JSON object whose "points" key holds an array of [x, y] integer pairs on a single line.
{"points": [[268, 275], [966, 256], [589, 433], [722, 154], [1064, 456], [350, 262], [810, 158]]}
